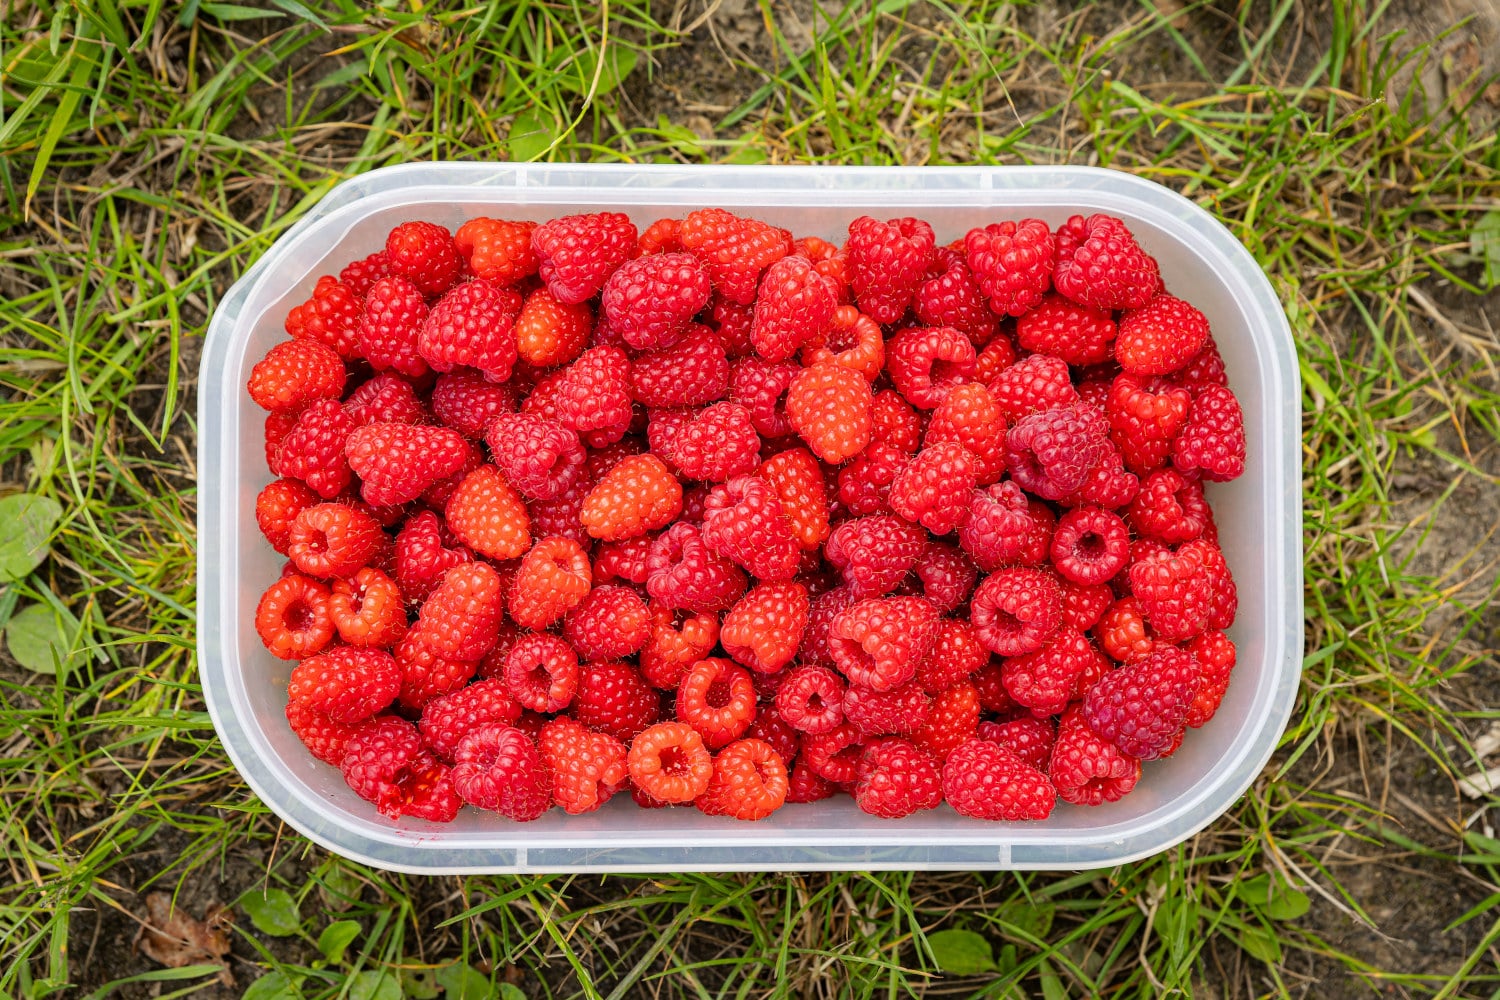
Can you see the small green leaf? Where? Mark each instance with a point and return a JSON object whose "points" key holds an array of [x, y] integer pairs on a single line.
{"points": [[1255, 891], [1484, 243], [962, 953], [235, 12], [274, 913], [531, 134], [509, 992], [418, 984], [374, 984], [461, 981], [1288, 904], [745, 152], [1052, 986], [28, 521], [1261, 944], [618, 62], [41, 637], [272, 986], [336, 937], [344, 75], [1034, 919]]}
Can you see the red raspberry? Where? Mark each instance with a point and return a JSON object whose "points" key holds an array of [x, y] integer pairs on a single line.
{"points": [[1169, 508], [1122, 632], [1206, 369], [497, 250], [424, 254], [426, 674], [461, 619], [539, 457], [1012, 261], [347, 684], [551, 580], [1212, 443], [1076, 334], [498, 767], [651, 300], [292, 617], [896, 779], [615, 699], [736, 251], [330, 316], [447, 720], [278, 426], [1083, 606], [590, 396], [926, 362], [829, 406], [368, 609], [550, 332], [692, 372], [576, 254], [811, 699], [820, 615], [473, 326], [771, 727], [385, 399], [797, 481], [662, 236], [853, 341], [989, 685], [1052, 453], [563, 516], [955, 655], [663, 426], [764, 628], [887, 261], [951, 297], [865, 483], [669, 762], [638, 495], [325, 739], [397, 462], [795, 305], [1090, 545], [969, 416], [714, 444], [628, 560], [880, 642], [1017, 611], [717, 698], [541, 673], [900, 710], [1100, 265], [806, 785], [1224, 598], [1047, 680], [1107, 485], [1142, 707], [998, 355], [834, 755], [391, 325], [385, 764], [1035, 383], [424, 556], [951, 721], [749, 782], [732, 322], [610, 622], [935, 486], [294, 373], [686, 573], [1005, 527], [1028, 737], [277, 507], [1174, 591], [743, 521], [1215, 655], [677, 641], [439, 493], [587, 767], [332, 540], [947, 576], [359, 275], [985, 781], [875, 553], [1086, 769], [1160, 337], [1144, 419], [488, 516], [894, 422], [761, 387]]}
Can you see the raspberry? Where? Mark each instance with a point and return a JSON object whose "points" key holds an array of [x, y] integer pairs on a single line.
{"points": [[1076, 334], [948, 576], [488, 516], [1046, 680], [684, 572], [989, 685], [925, 363], [969, 416], [577, 253], [692, 372], [347, 684], [1090, 545], [497, 250], [447, 720], [894, 422], [714, 444], [743, 521], [563, 516], [638, 495], [795, 305], [651, 300], [1144, 419], [1206, 369], [332, 540], [1083, 606], [797, 481], [887, 261], [1035, 383], [895, 780], [368, 609], [498, 767], [615, 699], [677, 640], [385, 764], [771, 727], [820, 615], [551, 580], [1017, 611], [1107, 484], [1175, 593], [587, 768], [325, 739], [951, 297], [1100, 265], [385, 399], [662, 236], [717, 698], [397, 462], [1160, 337], [473, 325], [1012, 261], [764, 628], [955, 655], [359, 275], [539, 457], [427, 673], [902, 709], [760, 387], [829, 406], [541, 673], [834, 755], [736, 251], [1028, 737], [1215, 655], [423, 556], [424, 254], [1169, 508], [1005, 527], [1212, 443], [609, 623], [732, 323], [294, 373], [1122, 632], [293, 619], [592, 396], [880, 642], [277, 427], [874, 553], [806, 785], [1051, 453], [985, 781], [628, 560], [951, 721], [669, 762], [749, 782], [865, 483], [550, 332], [391, 325], [277, 507], [1224, 598], [461, 618], [1142, 707], [998, 355], [330, 316], [853, 341], [811, 699], [934, 487]]}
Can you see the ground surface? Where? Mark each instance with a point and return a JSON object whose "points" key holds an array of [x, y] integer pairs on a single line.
{"points": [[149, 153]]}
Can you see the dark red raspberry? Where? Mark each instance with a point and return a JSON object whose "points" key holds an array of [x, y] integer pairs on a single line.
{"points": [[947, 575], [1175, 593], [497, 250], [692, 372], [764, 628], [760, 387], [1224, 598], [1037, 382], [397, 462], [865, 483], [467, 401], [955, 655], [277, 507], [811, 699], [951, 721], [1045, 681], [717, 698], [925, 362], [498, 767], [969, 416], [834, 755], [1006, 528], [1100, 265], [685, 573], [385, 399], [887, 261], [896, 779], [894, 422], [1206, 369], [611, 622], [934, 488], [391, 325], [1076, 334], [424, 556], [732, 322], [998, 355], [537, 456], [424, 254], [1142, 707], [1215, 655], [795, 305], [563, 516], [332, 540], [614, 698], [771, 727], [985, 781], [989, 686], [277, 427], [1212, 442], [314, 449], [900, 710], [1028, 737], [1144, 419], [592, 396], [359, 275], [715, 444], [678, 640], [749, 782], [875, 553], [1017, 611], [1083, 606], [472, 326], [820, 615], [1090, 545], [1107, 485], [587, 767], [880, 642], [806, 785], [446, 720], [627, 560], [651, 300], [951, 297], [1087, 769], [1169, 508], [735, 250], [330, 316], [743, 521], [384, 763], [1051, 453], [1012, 261], [325, 739], [576, 254], [294, 373]]}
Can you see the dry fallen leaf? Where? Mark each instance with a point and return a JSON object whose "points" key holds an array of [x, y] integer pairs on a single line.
{"points": [[175, 938]]}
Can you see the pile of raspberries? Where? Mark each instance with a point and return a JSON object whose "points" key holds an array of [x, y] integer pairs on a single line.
{"points": [[726, 517]]}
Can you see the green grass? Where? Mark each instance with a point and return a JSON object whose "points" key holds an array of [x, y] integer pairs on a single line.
{"points": [[149, 153]]}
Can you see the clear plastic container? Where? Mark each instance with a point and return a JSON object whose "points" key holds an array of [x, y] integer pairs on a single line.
{"points": [[1260, 517]]}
